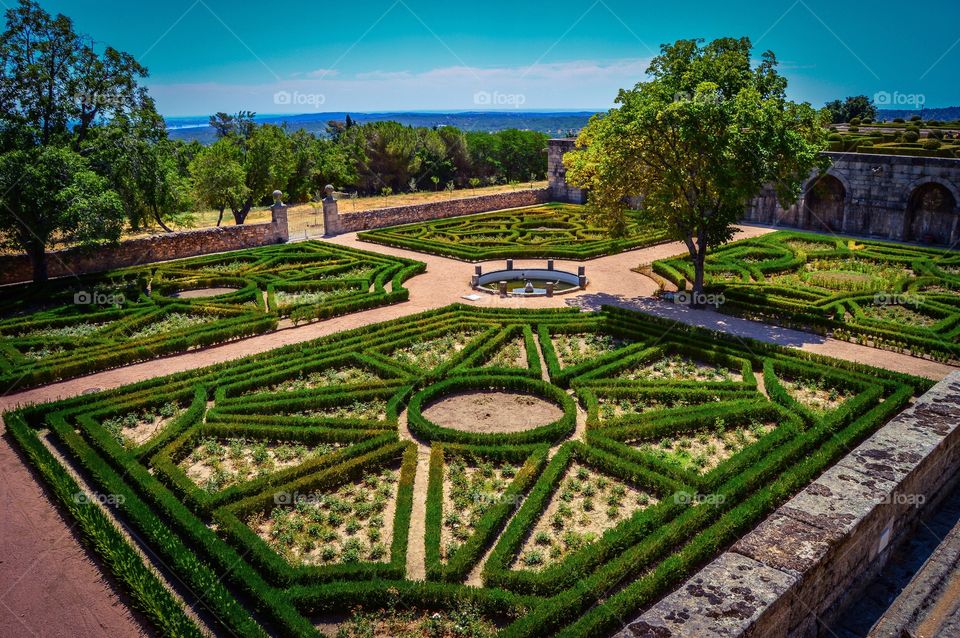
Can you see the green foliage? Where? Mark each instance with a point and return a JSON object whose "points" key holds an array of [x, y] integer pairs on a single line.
{"points": [[699, 96], [489, 495], [76, 326], [895, 297], [551, 230], [855, 107]]}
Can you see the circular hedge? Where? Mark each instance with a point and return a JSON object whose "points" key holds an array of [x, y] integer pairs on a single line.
{"points": [[550, 433]]}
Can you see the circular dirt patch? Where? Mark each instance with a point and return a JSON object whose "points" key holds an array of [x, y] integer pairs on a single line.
{"points": [[492, 411], [200, 293]]}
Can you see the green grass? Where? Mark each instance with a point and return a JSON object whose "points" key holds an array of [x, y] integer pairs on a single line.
{"points": [[551, 230]]}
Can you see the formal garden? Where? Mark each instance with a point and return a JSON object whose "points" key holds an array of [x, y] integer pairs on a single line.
{"points": [[280, 490], [79, 325], [550, 230], [899, 297]]}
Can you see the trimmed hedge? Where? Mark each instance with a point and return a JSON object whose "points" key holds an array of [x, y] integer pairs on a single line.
{"points": [[244, 587], [551, 230], [65, 329]]}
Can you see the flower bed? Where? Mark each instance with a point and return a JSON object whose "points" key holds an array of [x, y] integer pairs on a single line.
{"points": [[311, 512], [551, 230], [892, 296], [74, 327]]}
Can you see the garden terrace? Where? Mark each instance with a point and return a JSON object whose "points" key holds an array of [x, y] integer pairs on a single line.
{"points": [[72, 327], [280, 489], [551, 230], [899, 297]]}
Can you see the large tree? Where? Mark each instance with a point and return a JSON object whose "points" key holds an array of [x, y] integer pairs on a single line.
{"points": [[854, 106], [219, 178], [696, 141], [48, 196]]}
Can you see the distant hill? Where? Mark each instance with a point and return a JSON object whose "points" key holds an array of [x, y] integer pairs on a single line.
{"points": [[946, 114], [559, 123]]}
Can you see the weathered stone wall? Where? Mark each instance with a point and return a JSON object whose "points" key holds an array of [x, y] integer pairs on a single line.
{"points": [[560, 190], [382, 217], [74, 261], [874, 197], [793, 570]]}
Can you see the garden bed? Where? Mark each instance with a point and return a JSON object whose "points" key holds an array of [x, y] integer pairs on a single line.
{"points": [[280, 491], [893, 296], [70, 328], [551, 230]]}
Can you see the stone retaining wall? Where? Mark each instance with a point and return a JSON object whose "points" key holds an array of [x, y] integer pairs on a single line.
{"points": [[795, 568], [338, 223], [133, 252]]}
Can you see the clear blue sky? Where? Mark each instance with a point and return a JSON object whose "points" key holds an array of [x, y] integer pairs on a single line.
{"points": [[378, 55]]}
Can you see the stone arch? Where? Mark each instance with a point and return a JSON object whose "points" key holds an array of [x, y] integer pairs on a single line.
{"points": [[931, 212], [825, 201]]}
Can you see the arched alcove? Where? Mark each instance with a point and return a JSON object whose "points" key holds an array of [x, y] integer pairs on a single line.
{"points": [[931, 214], [825, 200]]}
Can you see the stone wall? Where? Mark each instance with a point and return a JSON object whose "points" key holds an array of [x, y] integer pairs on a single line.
{"points": [[381, 217], [861, 194], [133, 252], [795, 569]]}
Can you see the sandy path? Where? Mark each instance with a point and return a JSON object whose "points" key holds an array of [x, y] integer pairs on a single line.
{"points": [[48, 581], [49, 585]]}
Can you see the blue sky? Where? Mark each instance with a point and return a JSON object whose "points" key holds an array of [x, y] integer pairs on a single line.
{"points": [[380, 55]]}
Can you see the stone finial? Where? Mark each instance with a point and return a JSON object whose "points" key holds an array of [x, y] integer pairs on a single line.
{"points": [[277, 197], [328, 192]]}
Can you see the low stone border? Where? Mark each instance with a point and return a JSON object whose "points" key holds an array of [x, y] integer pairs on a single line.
{"points": [[795, 567]]}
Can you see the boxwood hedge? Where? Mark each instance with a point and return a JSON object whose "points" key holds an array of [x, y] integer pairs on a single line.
{"points": [[360, 390]]}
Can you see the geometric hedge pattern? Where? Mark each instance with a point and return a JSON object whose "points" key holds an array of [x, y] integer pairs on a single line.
{"points": [[905, 298], [75, 326], [277, 490], [549, 230]]}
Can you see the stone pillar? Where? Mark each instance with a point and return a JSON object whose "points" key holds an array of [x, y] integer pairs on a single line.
{"points": [[509, 264], [550, 288], [331, 215], [278, 218], [549, 264], [503, 289]]}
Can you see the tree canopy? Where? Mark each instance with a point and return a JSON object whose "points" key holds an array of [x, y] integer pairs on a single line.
{"points": [[696, 141], [859, 106]]}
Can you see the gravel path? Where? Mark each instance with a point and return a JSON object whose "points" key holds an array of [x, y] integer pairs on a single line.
{"points": [[48, 584]]}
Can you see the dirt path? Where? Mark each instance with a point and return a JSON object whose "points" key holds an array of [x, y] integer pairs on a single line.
{"points": [[49, 585]]}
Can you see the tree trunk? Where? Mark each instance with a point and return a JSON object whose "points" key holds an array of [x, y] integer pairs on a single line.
{"points": [[38, 259], [156, 216], [240, 216], [220, 217]]}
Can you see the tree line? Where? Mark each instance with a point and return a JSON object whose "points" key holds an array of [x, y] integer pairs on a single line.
{"points": [[84, 154]]}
